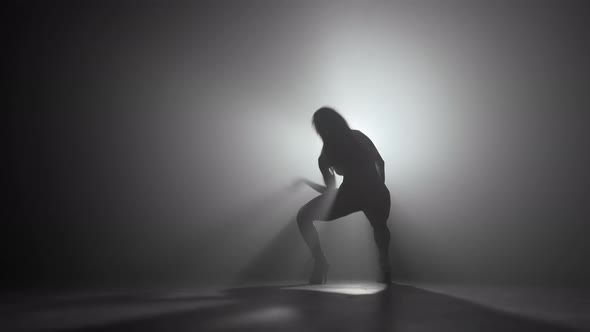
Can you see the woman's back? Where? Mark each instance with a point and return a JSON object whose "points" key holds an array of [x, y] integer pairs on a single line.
{"points": [[355, 157]]}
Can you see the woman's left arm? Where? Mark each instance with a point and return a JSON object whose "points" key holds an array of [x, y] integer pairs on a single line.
{"points": [[380, 165], [377, 159]]}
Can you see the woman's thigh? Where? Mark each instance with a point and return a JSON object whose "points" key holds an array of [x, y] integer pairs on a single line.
{"points": [[377, 207], [330, 206]]}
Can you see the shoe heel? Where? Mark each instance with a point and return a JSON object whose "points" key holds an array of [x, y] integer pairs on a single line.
{"points": [[319, 275]]}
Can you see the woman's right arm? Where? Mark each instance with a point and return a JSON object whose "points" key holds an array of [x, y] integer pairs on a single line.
{"points": [[327, 172], [315, 186]]}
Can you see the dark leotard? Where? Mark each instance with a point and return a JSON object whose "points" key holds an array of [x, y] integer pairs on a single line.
{"points": [[356, 159]]}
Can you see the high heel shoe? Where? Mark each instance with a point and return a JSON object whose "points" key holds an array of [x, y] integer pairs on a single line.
{"points": [[320, 273]]}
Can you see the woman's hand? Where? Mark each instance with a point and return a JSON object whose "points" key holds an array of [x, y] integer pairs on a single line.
{"points": [[297, 183], [315, 186]]}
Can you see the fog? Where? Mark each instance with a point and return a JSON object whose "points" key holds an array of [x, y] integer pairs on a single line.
{"points": [[157, 144]]}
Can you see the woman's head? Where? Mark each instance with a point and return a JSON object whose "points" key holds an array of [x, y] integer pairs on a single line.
{"points": [[329, 124]]}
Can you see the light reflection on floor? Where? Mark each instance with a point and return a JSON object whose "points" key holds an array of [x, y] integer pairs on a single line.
{"points": [[345, 288]]}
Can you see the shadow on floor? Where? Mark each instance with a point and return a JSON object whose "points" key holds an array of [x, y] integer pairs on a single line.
{"points": [[279, 260]]}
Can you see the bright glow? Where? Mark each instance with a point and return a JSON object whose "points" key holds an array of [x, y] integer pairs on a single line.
{"points": [[405, 87], [347, 289]]}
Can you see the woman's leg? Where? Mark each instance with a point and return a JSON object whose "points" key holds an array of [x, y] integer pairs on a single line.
{"points": [[328, 206], [377, 211]]}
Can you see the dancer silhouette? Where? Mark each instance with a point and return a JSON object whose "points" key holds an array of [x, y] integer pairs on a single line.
{"points": [[353, 155]]}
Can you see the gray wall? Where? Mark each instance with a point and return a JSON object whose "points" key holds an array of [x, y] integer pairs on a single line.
{"points": [[155, 143]]}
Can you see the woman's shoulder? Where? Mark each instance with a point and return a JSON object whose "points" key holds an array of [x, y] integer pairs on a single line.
{"points": [[359, 135], [363, 139]]}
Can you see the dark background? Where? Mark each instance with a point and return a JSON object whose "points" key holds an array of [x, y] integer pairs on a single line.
{"points": [[151, 143]]}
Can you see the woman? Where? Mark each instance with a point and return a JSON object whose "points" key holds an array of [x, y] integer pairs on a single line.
{"points": [[351, 154]]}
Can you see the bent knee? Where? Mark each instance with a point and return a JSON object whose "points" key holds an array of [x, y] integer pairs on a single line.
{"points": [[378, 223], [380, 227]]}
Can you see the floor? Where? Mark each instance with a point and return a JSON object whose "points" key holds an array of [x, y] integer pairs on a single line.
{"points": [[332, 307]]}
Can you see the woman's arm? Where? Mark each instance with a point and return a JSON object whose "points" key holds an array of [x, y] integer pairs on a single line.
{"points": [[315, 186], [379, 162], [380, 165], [327, 172]]}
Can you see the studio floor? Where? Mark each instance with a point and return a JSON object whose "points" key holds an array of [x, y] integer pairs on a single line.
{"points": [[332, 307]]}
